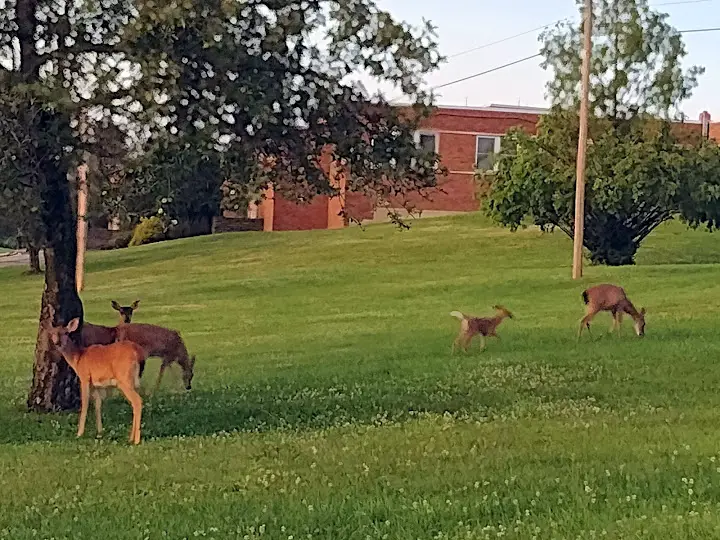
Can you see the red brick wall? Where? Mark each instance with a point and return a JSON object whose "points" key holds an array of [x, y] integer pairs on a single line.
{"points": [[686, 132], [455, 193], [358, 206], [479, 122], [289, 216], [457, 130], [457, 151], [715, 131]]}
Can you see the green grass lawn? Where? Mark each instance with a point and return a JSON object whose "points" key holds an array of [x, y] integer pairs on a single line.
{"points": [[326, 404]]}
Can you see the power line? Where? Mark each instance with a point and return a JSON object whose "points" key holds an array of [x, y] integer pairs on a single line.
{"points": [[543, 27], [486, 71], [503, 40], [498, 68]]}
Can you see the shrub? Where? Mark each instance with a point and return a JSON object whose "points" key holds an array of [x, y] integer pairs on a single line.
{"points": [[122, 240], [149, 230]]}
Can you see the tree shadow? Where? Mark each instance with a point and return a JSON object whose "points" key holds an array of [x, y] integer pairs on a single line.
{"points": [[261, 408], [466, 388]]}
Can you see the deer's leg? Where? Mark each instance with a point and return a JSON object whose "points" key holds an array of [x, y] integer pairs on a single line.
{"points": [[466, 341], [585, 322], [97, 401], [482, 343], [136, 403], [618, 321], [163, 367], [84, 402], [459, 341]]}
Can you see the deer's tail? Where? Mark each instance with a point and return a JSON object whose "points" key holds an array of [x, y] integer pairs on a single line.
{"points": [[585, 297], [458, 315]]}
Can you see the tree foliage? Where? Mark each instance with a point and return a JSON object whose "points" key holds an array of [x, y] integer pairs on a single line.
{"points": [[248, 97], [635, 181], [636, 65], [641, 169]]}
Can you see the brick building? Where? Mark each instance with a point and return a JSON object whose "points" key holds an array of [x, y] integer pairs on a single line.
{"points": [[466, 139]]}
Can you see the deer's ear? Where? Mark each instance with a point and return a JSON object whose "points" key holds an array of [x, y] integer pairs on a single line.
{"points": [[135, 304], [642, 311], [73, 325], [115, 305]]}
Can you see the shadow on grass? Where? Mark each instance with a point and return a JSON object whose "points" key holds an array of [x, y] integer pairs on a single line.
{"points": [[480, 391]]}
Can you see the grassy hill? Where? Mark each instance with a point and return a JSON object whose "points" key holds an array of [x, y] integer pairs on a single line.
{"points": [[326, 403]]}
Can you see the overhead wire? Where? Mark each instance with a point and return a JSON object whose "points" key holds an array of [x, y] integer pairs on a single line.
{"points": [[543, 27], [521, 60], [531, 57]]}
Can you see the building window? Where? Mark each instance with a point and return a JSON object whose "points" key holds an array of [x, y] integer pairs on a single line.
{"points": [[427, 140], [485, 150]]}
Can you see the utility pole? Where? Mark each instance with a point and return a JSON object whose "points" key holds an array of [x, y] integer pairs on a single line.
{"points": [[582, 145], [81, 226]]}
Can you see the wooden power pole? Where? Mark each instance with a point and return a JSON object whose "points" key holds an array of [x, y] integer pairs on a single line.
{"points": [[582, 145], [81, 226]]}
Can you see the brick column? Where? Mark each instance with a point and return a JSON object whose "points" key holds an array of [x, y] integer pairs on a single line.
{"points": [[336, 204], [266, 208]]}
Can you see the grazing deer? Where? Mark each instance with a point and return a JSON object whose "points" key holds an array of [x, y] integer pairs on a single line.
{"points": [[611, 298], [126, 312], [162, 342], [482, 326], [99, 367]]}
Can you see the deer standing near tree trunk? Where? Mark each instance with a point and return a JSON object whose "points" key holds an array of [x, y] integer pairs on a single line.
{"points": [[99, 367]]}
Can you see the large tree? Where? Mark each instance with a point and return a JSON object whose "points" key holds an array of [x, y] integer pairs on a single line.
{"points": [[639, 166], [249, 89], [54, 70]]}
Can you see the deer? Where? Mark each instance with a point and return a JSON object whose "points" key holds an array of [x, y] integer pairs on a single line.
{"points": [[126, 312], [100, 367], [96, 334], [607, 297], [162, 342], [471, 326]]}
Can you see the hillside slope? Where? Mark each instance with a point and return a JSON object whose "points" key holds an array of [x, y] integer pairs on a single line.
{"points": [[326, 402]]}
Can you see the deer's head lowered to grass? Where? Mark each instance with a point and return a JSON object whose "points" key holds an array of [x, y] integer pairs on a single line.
{"points": [[162, 342], [608, 297], [126, 312]]}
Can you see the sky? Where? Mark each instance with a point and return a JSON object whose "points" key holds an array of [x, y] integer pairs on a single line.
{"points": [[465, 24]]}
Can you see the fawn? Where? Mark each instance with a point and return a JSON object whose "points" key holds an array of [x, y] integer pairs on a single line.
{"points": [[482, 326], [99, 367], [162, 342], [611, 298]]}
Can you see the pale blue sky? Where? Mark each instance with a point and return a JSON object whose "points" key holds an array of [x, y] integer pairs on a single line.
{"points": [[464, 24]]}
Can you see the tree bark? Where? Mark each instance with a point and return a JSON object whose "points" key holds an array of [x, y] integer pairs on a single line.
{"points": [[34, 259], [55, 385]]}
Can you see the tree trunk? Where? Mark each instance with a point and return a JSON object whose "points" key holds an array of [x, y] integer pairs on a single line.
{"points": [[55, 385], [34, 259]]}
